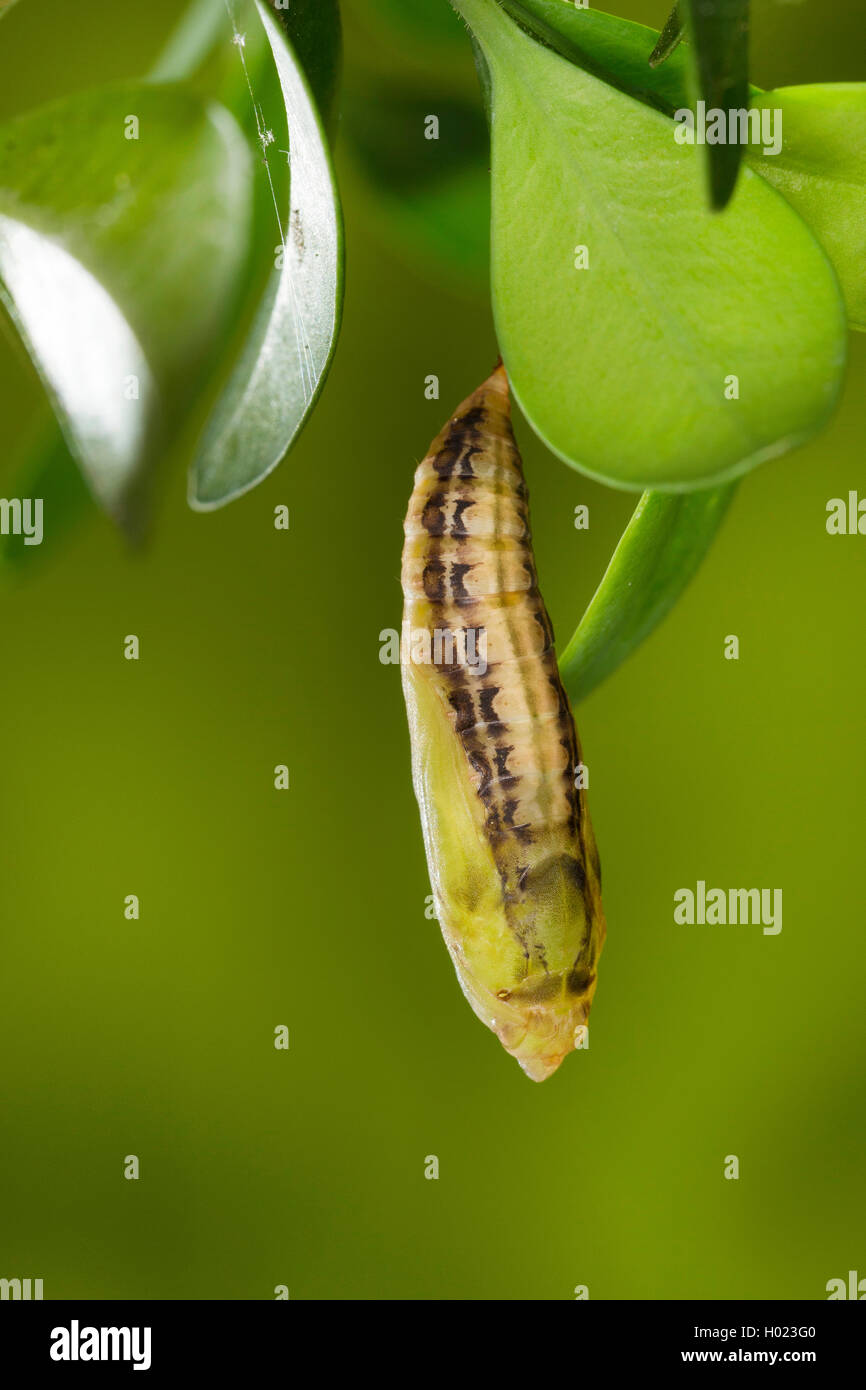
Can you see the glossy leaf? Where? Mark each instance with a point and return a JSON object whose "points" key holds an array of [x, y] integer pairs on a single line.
{"points": [[91, 364], [693, 346], [719, 47], [112, 295], [272, 390], [656, 558]]}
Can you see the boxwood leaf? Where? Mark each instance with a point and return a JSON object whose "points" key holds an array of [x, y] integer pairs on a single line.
{"points": [[123, 216], [719, 31], [615, 50], [656, 558], [650, 343], [821, 170], [90, 361], [719, 49], [669, 38], [274, 386]]}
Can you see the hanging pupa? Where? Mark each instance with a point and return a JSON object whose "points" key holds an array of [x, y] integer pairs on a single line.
{"points": [[495, 758]]}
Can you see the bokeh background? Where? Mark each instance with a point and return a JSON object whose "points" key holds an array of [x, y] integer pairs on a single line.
{"points": [[306, 908]]}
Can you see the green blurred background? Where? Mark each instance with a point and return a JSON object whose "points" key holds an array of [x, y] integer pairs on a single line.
{"points": [[306, 907]]}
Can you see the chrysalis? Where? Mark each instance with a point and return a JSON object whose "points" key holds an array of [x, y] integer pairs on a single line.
{"points": [[495, 757]]}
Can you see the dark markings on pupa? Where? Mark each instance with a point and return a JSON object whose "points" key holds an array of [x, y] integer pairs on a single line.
{"points": [[457, 574], [458, 528], [579, 980], [485, 702], [434, 581], [481, 766], [461, 703], [501, 755], [433, 516]]}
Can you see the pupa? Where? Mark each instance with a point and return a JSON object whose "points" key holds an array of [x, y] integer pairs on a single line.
{"points": [[496, 762]]}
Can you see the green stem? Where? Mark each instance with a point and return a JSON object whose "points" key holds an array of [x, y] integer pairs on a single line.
{"points": [[658, 554]]}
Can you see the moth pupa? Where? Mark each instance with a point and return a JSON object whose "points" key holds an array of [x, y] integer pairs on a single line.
{"points": [[510, 849]]}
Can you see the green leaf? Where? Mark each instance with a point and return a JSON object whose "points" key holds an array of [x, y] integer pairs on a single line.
{"points": [[118, 257], [271, 392], [614, 50], [625, 369], [821, 170], [91, 364], [719, 34], [656, 558], [433, 196], [669, 38], [314, 33], [715, 68]]}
